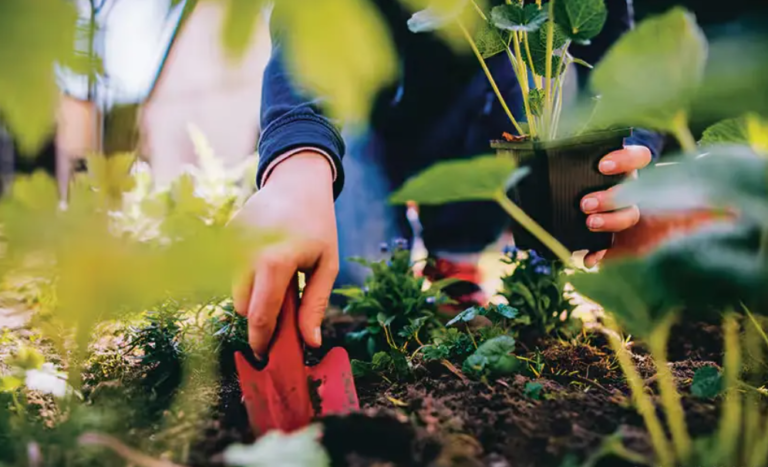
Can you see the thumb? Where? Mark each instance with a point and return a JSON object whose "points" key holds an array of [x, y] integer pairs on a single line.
{"points": [[315, 300]]}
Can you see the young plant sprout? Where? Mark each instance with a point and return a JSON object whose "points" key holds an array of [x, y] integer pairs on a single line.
{"points": [[536, 38]]}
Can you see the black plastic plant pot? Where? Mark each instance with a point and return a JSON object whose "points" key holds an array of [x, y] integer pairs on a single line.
{"points": [[561, 173]]}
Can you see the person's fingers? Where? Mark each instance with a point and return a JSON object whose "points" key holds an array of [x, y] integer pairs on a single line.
{"points": [[601, 201], [625, 160], [314, 301], [615, 221], [241, 292], [273, 275], [591, 259]]}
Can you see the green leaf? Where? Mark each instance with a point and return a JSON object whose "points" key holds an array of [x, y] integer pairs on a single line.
{"points": [[581, 20], [628, 290], [361, 369], [536, 101], [34, 36], [436, 16], [732, 130], [300, 448], [749, 129], [26, 358], [533, 390], [649, 76], [514, 17], [716, 267], [489, 40], [495, 357], [707, 382], [340, 50], [465, 316], [10, 383], [506, 311], [240, 22], [381, 361], [728, 177], [349, 291], [537, 43], [478, 179], [581, 62]]}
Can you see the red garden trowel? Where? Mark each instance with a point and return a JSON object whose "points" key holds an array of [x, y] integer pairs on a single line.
{"points": [[286, 395]]}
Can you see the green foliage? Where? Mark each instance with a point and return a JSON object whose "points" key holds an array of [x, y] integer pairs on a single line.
{"points": [[496, 313], [442, 17], [489, 40], [707, 382], [649, 76], [494, 357], [536, 102], [728, 177], [537, 44], [535, 288], [515, 17], [479, 179], [533, 390], [581, 20], [392, 364], [749, 129], [338, 49], [240, 22], [395, 302], [33, 37], [449, 344], [299, 449]]}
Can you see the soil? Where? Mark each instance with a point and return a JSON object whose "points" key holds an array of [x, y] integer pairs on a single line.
{"points": [[440, 419]]}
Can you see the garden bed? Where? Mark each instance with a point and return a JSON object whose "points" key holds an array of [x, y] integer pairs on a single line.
{"points": [[441, 418]]}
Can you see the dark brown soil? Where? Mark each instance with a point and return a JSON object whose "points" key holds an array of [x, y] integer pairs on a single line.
{"points": [[440, 419]]}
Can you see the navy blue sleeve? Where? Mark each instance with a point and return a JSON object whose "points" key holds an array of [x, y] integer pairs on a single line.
{"points": [[620, 20], [291, 118]]}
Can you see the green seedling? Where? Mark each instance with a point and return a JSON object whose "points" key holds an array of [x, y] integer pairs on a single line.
{"points": [[535, 287], [494, 358], [400, 310], [536, 39]]}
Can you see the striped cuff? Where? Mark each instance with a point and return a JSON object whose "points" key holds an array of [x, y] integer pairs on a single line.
{"points": [[295, 151]]}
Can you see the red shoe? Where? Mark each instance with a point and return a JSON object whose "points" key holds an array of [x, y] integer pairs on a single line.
{"points": [[466, 292]]}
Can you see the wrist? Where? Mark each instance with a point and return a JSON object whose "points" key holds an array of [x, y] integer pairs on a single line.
{"points": [[303, 167]]}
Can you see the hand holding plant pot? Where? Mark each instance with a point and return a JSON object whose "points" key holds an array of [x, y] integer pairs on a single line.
{"points": [[605, 213], [569, 169]]}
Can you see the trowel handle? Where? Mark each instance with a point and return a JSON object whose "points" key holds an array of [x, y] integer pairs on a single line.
{"points": [[286, 342]]}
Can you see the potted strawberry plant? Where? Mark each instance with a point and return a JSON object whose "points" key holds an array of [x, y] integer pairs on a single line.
{"points": [[563, 163]]}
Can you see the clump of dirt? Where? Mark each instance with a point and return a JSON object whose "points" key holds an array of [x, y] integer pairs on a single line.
{"points": [[565, 360]]}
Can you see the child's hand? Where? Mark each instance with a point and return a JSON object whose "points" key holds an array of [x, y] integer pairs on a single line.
{"points": [[604, 214], [298, 201]]}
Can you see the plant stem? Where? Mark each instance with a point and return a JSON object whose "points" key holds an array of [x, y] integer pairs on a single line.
{"points": [[730, 418], [523, 79], [490, 77], [534, 228], [562, 71], [752, 416], [479, 11], [548, 64], [755, 323], [670, 398], [759, 453], [536, 78], [643, 402], [682, 133]]}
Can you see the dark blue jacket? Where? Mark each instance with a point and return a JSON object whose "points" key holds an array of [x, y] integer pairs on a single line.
{"points": [[441, 107]]}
